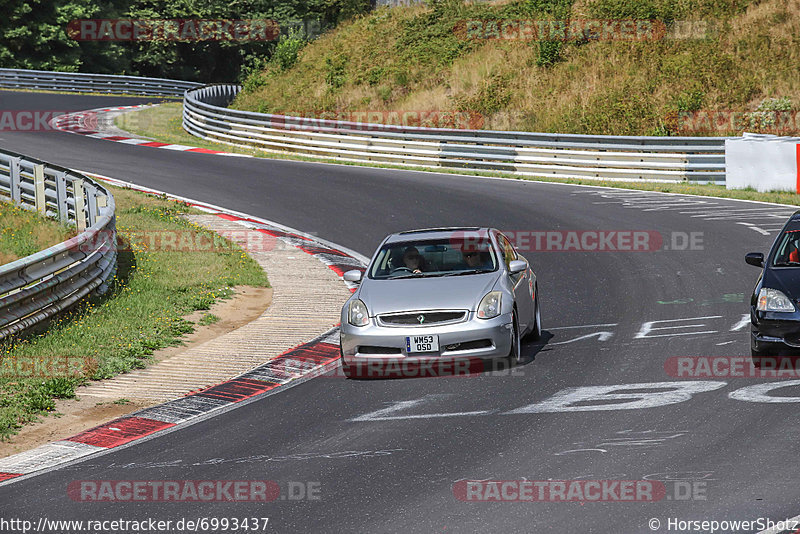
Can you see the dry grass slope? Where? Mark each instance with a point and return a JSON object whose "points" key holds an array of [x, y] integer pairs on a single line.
{"points": [[412, 59]]}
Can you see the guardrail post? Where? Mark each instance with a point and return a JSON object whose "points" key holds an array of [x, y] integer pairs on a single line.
{"points": [[80, 204], [16, 193], [38, 191], [102, 202], [91, 192], [61, 197]]}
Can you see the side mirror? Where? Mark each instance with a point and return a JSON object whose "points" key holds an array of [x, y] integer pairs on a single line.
{"points": [[353, 276], [517, 266], [754, 258]]}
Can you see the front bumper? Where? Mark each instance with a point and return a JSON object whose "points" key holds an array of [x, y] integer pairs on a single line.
{"points": [[483, 338], [771, 330]]}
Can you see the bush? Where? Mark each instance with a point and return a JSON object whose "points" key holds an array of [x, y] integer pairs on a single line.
{"points": [[775, 104], [335, 71], [287, 50], [549, 53]]}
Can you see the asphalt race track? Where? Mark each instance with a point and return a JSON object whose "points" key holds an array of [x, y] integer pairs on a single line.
{"points": [[384, 455]]}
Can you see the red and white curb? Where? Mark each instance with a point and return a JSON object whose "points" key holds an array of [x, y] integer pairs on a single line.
{"points": [[89, 123], [307, 360]]}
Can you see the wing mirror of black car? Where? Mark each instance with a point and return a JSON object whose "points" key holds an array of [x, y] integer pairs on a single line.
{"points": [[353, 276], [516, 266], [754, 258]]}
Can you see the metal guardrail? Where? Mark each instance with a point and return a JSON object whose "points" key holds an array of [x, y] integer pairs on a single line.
{"points": [[92, 83], [35, 288], [673, 159]]}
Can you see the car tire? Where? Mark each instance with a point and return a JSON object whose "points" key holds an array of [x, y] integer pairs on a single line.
{"points": [[758, 356], [346, 369], [515, 353], [535, 332]]}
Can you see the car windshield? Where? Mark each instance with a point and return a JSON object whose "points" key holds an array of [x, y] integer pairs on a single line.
{"points": [[788, 252], [429, 258]]}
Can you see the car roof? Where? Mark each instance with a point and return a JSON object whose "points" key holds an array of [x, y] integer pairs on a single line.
{"points": [[438, 233], [794, 221]]}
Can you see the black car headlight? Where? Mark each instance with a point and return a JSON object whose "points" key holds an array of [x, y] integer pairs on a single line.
{"points": [[773, 300]]}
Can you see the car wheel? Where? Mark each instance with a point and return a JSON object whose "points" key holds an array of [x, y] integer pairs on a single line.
{"points": [[515, 354], [346, 369], [759, 356], [536, 331]]}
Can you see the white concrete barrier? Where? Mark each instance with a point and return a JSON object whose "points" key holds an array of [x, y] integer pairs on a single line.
{"points": [[764, 162]]}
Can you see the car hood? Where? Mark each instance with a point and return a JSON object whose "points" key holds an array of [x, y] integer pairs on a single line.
{"points": [[786, 280], [436, 293]]}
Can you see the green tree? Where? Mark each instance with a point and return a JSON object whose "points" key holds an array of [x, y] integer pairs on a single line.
{"points": [[33, 33]]}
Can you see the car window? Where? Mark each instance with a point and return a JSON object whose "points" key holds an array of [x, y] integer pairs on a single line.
{"points": [[508, 252], [788, 251], [433, 258]]}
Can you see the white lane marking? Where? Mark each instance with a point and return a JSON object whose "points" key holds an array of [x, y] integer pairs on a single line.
{"points": [[748, 210], [648, 327], [582, 326], [759, 217], [726, 343], [579, 450], [614, 397], [758, 392], [752, 226], [669, 207], [384, 414], [744, 321], [601, 336]]}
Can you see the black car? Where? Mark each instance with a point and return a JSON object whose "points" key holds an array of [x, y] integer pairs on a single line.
{"points": [[774, 313]]}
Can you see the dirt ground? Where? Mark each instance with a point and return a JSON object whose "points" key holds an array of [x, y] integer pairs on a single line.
{"points": [[73, 416]]}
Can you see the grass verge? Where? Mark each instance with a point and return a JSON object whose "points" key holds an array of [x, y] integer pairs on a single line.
{"points": [[163, 123], [24, 232], [143, 312]]}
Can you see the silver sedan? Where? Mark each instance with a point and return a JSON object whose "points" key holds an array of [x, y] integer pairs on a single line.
{"points": [[440, 294]]}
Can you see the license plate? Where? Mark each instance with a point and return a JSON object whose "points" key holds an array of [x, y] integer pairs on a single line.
{"points": [[429, 343]]}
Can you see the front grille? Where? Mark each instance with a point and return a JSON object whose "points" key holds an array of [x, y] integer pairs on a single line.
{"points": [[423, 318], [471, 345], [368, 349]]}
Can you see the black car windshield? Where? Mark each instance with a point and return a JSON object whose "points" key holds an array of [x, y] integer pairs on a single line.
{"points": [[430, 258], [788, 252]]}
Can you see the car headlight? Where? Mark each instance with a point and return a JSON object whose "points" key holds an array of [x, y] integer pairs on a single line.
{"points": [[773, 300], [357, 315], [490, 305]]}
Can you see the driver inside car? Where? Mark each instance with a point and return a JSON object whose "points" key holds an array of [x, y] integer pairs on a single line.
{"points": [[475, 259], [413, 260]]}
